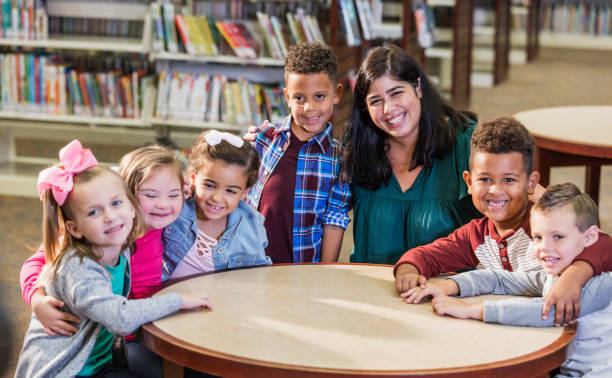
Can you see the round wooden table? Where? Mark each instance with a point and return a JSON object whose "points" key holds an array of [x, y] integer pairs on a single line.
{"points": [[338, 320], [571, 135]]}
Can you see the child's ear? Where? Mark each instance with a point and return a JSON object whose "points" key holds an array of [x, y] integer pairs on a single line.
{"points": [[591, 235], [467, 177], [73, 229], [286, 93], [338, 95], [532, 181]]}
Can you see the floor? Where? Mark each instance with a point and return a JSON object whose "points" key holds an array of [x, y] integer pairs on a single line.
{"points": [[557, 77]]}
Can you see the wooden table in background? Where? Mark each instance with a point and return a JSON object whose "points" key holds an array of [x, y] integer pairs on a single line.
{"points": [[338, 320], [571, 135]]}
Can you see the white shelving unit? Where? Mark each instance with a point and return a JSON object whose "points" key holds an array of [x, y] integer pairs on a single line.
{"points": [[18, 173], [220, 59]]}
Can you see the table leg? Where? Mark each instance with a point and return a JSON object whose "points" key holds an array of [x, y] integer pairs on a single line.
{"points": [[172, 370], [592, 180], [542, 165]]}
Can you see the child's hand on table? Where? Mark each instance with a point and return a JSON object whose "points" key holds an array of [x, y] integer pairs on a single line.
{"points": [[417, 293], [445, 305], [55, 321], [194, 301], [407, 277]]}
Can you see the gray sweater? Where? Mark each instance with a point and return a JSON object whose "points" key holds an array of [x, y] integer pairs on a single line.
{"points": [[590, 353], [85, 288]]}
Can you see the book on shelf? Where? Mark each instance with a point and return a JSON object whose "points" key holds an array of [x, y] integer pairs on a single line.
{"points": [[238, 39], [23, 19], [171, 41], [424, 21], [46, 84], [577, 17], [197, 97], [366, 20], [348, 19]]}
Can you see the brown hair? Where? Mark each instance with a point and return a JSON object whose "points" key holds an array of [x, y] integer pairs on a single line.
{"points": [[138, 165], [311, 58], [568, 195], [503, 135], [245, 156], [57, 241]]}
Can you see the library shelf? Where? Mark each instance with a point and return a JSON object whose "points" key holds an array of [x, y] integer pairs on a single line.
{"points": [[221, 59], [575, 41], [198, 124], [72, 119], [72, 42]]}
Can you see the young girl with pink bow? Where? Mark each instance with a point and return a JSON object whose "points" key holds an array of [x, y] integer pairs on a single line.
{"points": [[217, 228], [89, 220]]}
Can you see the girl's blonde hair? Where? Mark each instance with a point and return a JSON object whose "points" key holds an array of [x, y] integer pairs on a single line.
{"points": [[245, 156], [57, 241], [138, 165]]}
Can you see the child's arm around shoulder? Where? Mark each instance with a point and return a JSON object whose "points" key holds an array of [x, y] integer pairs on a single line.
{"points": [[527, 312], [46, 307]]}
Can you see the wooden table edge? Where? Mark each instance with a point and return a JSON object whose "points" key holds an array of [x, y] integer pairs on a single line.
{"points": [[574, 148], [189, 355]]}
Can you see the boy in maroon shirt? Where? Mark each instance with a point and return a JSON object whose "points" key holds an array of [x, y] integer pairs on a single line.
{"points": [[500, 179]]}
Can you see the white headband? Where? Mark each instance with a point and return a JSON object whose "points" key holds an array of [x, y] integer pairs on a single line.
{"points": [[215, 137]]}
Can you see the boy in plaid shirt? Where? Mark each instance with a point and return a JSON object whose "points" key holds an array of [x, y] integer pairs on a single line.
{"points": [[298, 191]]}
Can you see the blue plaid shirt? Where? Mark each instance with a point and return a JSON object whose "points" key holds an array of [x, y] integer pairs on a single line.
{"points": [[320, 199]]}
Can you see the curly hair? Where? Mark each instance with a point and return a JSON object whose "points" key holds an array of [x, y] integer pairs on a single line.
{"points": [[503, 135], [311, 58], [245, 156], [568, 195]]}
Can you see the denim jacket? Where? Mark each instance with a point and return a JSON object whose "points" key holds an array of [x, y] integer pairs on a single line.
{"points": [[242, 244]]}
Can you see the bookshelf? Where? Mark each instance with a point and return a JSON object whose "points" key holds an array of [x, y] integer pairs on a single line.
{"points": [[524, 35], [43, 44], [581, 24], [243, 41], [448, 62], [61, 35]]}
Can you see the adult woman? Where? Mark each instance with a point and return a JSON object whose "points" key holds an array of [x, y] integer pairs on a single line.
{"points": [[406, 152]]}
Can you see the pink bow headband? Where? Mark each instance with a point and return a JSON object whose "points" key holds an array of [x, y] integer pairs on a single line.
{"points": [[74, 159]]}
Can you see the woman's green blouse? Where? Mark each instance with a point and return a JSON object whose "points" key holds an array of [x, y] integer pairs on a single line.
{"points": [[388, 222]]}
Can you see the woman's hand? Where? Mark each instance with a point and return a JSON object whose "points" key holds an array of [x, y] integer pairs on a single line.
{"points": [[55, 321]]}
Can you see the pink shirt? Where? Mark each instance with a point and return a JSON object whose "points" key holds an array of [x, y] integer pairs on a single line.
{"points": [[199, 259], [146, 264]]}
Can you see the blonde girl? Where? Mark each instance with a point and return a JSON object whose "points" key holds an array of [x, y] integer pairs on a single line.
{"points": [[217, 228], [89, 219]]}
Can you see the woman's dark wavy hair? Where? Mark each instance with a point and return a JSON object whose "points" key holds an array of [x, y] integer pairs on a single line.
{"points": [[365, 160]]}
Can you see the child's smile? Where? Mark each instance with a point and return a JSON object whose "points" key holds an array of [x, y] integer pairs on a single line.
{"points": [[556, 238], [499, 187], [218, 188], [311, 98]]}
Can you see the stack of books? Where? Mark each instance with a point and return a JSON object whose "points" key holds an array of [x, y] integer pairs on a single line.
{"points": [[215, 98], [200, 35], [47, 84], [23, 19], [577, 17]]}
